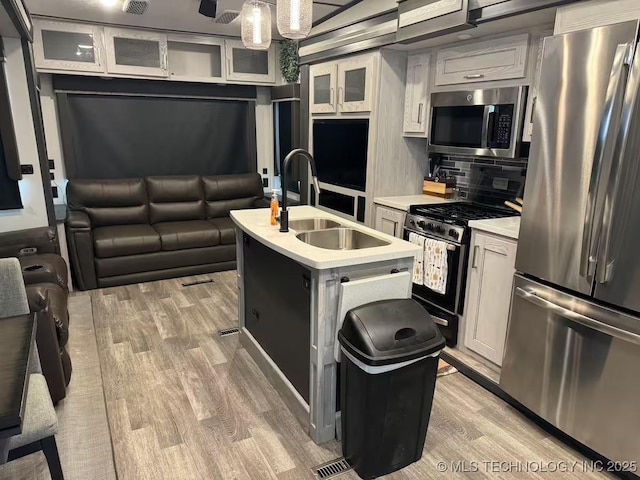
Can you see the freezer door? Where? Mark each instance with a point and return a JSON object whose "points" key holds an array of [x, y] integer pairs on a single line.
{"points": [[582, 86], [575, 364], [618, 272]]}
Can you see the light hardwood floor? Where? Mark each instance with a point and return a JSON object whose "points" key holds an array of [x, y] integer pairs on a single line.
{"points": [[183, 403]]}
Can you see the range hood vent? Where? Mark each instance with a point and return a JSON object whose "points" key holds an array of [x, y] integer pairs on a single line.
{"points": [[423, 19]]}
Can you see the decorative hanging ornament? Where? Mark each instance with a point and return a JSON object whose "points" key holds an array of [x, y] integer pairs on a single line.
{"points": [[256, 25], [295, 18]]}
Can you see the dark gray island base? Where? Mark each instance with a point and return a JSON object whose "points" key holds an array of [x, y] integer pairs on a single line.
{"points": [[289, 297]]}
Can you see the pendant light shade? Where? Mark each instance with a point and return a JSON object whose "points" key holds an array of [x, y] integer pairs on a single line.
{"points": [[256, 25], [295, 18]]}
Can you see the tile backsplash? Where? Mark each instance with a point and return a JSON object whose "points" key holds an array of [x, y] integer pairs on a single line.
{"points": [[487, 180]]}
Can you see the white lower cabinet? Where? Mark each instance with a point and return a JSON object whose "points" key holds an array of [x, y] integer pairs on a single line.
{"points": [[390, 221], [490, 279]]}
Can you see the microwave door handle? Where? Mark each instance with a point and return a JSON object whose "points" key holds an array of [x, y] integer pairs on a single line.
{"points": [[491, 130], [485, 125], [624, 166], [603, 156]]}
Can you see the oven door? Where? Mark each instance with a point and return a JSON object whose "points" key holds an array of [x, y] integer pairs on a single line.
{"points": [[478, 122], [450, 300]]}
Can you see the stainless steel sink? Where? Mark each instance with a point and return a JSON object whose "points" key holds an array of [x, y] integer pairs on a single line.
{"points": [[341, 239], [306, 224]]}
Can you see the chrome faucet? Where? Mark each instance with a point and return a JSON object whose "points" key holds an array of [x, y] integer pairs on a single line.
{"points": [[284, 214]]}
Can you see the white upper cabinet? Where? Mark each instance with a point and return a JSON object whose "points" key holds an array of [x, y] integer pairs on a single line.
{"points": [[68, 46], [416, 100], [489, 294], [355, 84], [251, 66], [196, 59], [490, 60], [131, 52], [324, 82]]}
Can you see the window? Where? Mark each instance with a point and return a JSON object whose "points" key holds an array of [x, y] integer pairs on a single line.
{"points": [[9, 162]]}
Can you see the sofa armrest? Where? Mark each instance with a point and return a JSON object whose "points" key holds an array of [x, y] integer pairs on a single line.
{"points": [[28, 242], [78, 220], [81, 255], [262, 203]]}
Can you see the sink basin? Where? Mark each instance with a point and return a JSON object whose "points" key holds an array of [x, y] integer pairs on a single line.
{"points": [[341, 239], [306, 224]]}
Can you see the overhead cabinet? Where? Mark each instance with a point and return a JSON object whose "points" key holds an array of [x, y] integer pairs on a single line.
{"points": [[416, 101], [343, 87], [250, 65], [136, 53], [68, 46], [196, 59], [497, 59]]}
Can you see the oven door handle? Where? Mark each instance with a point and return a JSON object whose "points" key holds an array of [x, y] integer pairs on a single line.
{"points": [[451, 247]]}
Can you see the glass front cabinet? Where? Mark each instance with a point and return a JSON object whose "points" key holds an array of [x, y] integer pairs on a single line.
{"points": [[68, 46], [132, 52]]}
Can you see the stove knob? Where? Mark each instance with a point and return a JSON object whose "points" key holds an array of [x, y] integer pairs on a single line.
{"points": [[421, 224], [440, 229], [412, 222], [431, 227], [453, 234]]}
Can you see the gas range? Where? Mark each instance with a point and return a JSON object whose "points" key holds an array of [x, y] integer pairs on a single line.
{"points": [[449, 221]]}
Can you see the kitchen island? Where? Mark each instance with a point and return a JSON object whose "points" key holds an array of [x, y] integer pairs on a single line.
{"points": [[291, 292]]}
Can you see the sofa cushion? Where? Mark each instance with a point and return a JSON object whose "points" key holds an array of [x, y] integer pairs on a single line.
{"points": [[224, 193], [110, 202], [227, 229], [122, 240], [175, 198], [188, 234]]}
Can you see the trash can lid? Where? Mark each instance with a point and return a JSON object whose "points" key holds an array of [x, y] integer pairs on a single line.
{"points": [[390, 331]]}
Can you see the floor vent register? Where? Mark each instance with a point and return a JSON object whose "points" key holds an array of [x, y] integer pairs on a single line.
{"points": [[229, 331], [331, 469]]}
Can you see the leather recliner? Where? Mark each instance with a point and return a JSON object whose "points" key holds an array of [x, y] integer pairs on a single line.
{"points": [[46, 282], [136, 230]]}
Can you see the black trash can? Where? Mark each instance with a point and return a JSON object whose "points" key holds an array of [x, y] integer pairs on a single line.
{"points": [[390, 351]]}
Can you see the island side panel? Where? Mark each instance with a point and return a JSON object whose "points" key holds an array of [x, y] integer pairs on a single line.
{"points": [[324, 312]]}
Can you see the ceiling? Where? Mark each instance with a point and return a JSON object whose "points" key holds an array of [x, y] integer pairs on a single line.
{"points": [[176, 15]]}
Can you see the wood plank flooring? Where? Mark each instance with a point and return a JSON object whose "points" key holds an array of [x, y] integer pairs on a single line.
{"points": [[183, 403]]}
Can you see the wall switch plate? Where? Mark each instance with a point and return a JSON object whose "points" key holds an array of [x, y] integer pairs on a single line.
{"points": [[54, 190], [52, 164], [265, 171], [52, 175], [265, 182], [26, 169]]}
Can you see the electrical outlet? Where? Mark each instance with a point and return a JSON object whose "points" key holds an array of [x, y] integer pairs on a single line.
{"points": [[265, 171], [265, 182], [54, 190], [52, 175], [52, 164]]}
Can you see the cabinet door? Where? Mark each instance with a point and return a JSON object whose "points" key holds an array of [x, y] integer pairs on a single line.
{"points": [[389, 221], [131, 52], [498, 59], [322, 91], [196, 59], [489, 294], [244, 65], [68, 46], [416, 100], [355, 84]]}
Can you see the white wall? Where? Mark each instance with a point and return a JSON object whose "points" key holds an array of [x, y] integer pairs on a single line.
{"points": [[359, 11], [34, 213], [52, 134]]}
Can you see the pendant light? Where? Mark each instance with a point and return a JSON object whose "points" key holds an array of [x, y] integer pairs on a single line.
{"points": [[256, 25], [295, 18]]}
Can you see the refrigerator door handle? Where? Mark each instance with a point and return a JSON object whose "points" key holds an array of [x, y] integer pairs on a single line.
{"points": [[618, 170], [588, 322], [603, 156]]}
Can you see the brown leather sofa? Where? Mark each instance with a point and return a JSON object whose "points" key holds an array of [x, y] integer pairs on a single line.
{"points": [[141, 229], [46, 281]]}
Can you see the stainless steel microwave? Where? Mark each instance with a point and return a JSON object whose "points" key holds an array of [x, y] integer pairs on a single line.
{"points": [[485, 123]]}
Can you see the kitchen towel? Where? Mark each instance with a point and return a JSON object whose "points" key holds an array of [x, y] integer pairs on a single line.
{"points": [[435, 265], [372, 289], [418, 263]]}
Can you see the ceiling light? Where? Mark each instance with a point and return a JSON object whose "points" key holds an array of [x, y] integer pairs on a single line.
{"points": [[256, 25], [109, 3], [465, 36], [295, 18]]}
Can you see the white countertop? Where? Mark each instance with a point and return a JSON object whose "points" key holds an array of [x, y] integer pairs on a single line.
{"points": [[405, 202], [256, 223], [507, 227]]}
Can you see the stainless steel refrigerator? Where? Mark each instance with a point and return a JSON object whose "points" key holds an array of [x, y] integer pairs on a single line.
{"points": [[573, 344]]}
